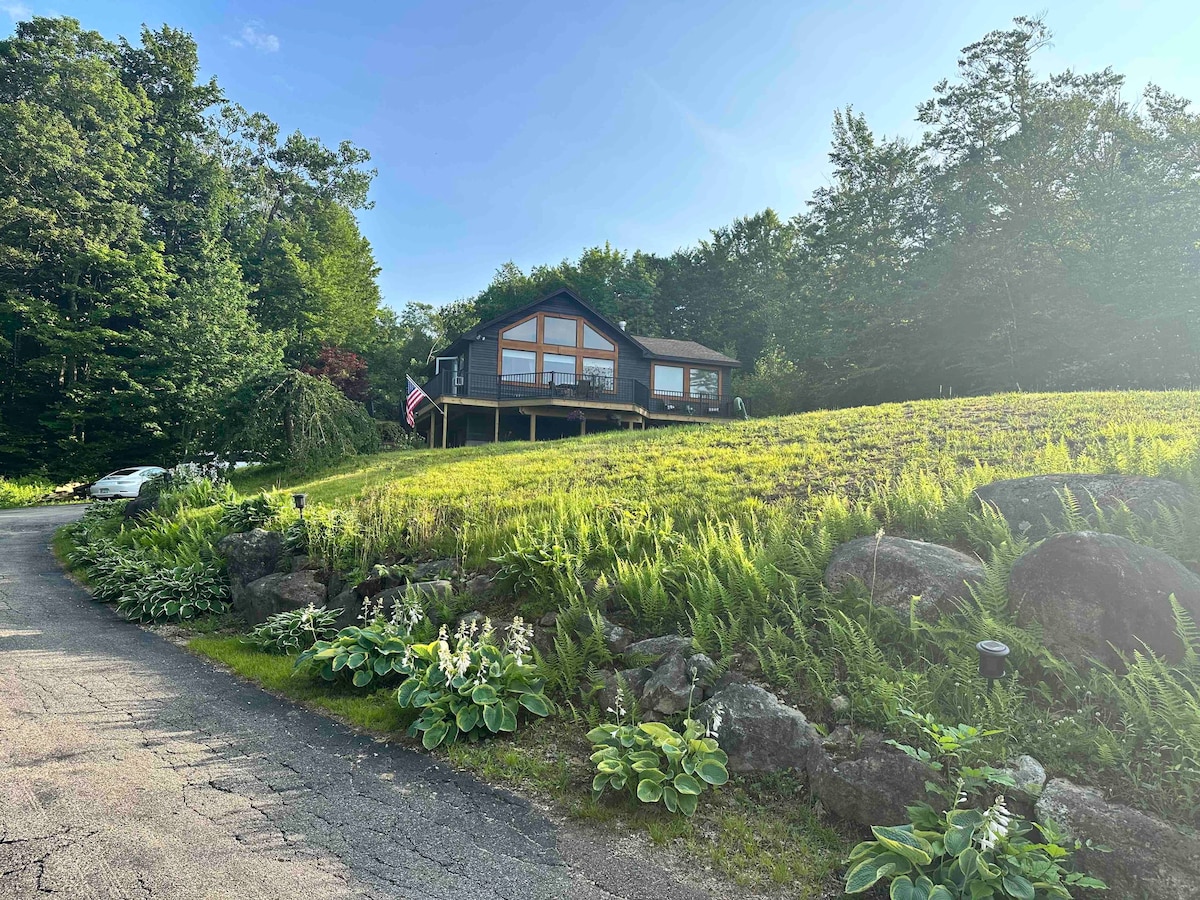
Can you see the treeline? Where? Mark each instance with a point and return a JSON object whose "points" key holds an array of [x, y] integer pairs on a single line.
{"points": [[1042, 235], [166, 255], [163, 251]]}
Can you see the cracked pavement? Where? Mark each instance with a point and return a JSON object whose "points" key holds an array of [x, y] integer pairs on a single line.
{"points": [[131, 769]]}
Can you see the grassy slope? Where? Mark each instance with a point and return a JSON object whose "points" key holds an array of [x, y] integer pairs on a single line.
{"points": [[727, 468]]}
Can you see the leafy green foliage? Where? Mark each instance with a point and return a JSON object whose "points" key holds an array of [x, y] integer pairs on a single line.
{"points": [[25, 491], [294, 630], [250, 513], [472, 689], [655, 763], [371, 654]]}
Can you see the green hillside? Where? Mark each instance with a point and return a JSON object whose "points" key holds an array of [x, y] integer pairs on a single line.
{"points": [[901, 460]]}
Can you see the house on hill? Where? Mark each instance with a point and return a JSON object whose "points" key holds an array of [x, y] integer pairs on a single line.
{"points": [[558, 367]]}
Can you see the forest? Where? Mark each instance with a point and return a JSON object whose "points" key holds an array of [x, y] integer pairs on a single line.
{"points": [[167, 257]]}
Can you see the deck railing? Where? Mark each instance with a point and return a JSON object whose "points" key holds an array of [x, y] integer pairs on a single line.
{"points": [[568, 386]]}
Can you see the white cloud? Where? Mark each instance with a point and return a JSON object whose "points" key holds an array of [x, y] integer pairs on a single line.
{"points": [[16, 11], [252, 35]]}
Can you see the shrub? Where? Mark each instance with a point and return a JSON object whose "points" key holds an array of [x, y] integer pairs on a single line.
{"points": [[655, 763], [25, 491], [290, 631], [472, 689]]}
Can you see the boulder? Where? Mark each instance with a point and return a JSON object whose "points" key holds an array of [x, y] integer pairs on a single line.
{"points": [[141, 506], [351, 606], [1149, 858], [478, 586], [426, 590], [654, 649], [616, 638], [250, 556], [1028, 504], [1029, 777], [1089, 590], [862, 779], [278, 593], [760, 733], [894, 570], [669, 689], [436, 569], [701, 668]]}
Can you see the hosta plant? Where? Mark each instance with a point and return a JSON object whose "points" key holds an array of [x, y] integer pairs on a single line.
{"points": [[468, 686], [250, 513], [178, 592], [655, 763], [290, 631], [368, 654], [964, 854]]}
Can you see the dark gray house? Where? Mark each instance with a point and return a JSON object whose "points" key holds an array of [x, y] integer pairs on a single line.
{"points": [[558, 367]]}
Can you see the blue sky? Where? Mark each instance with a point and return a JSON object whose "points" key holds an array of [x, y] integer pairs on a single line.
{"points": [[528, 131]]}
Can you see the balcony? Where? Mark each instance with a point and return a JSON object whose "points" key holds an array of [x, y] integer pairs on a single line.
{"points": [[585, 389]]}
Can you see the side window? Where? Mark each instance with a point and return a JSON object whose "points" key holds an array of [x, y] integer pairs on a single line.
{"points": [[517, 363]]}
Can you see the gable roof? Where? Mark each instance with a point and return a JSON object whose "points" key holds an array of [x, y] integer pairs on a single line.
{"points": [[662, 348], [686, 350]]}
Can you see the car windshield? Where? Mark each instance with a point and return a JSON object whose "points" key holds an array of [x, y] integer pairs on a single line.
{"points": [[120, 472]]}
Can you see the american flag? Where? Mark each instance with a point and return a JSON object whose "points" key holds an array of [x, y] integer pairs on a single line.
{"points": [[415, 396]]}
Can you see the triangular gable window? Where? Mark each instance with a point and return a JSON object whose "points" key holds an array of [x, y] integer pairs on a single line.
{"points": [[522, 331], [594, 340]]}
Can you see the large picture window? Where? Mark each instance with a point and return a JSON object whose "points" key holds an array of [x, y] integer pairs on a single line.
{"points": [[594, 340], [559, 331], [704, 382], [599, 372], [558, 368], [668, 379], [516, 363]]}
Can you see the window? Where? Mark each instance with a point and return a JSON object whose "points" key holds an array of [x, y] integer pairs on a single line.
{"points": [[558, 369], [558, 331], [518, 363], [594, 340], [599, 371], [668, 379], [705, 382], [525, 331]]}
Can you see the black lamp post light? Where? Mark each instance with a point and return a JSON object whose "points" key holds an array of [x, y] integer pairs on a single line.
{"points": [[991, 660], [300, 501]]}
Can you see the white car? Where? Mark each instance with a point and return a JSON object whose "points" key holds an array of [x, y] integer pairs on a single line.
{"points": [[123, 483]]}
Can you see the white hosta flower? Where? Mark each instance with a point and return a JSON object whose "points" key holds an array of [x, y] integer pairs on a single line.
{"points": [[713, 730], [996, 824]]}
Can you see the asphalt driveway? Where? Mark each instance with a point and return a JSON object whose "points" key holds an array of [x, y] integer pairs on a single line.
{"points": [[131, 769]]}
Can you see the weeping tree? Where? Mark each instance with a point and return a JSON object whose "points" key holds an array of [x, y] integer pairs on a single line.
{"points": [[299, 420]]}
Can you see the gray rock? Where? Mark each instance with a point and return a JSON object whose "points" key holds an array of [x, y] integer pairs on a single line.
{"points": [[278, 593], [635, 682], [1027, 504], [549, 620], [669, 689], [300, 563], [860, 778], [351, 606], [616, 638], [1030, 778], [894, 570], [702, 669], [478, 585], [1150, 859], [250, 556], [436, 569], [655, 648], [760, 733], [141, 506], [1089, 589], [426, 590]]}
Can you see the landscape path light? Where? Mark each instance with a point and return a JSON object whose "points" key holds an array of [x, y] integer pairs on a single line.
{"points": [[991, 660], [300, 501]]}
